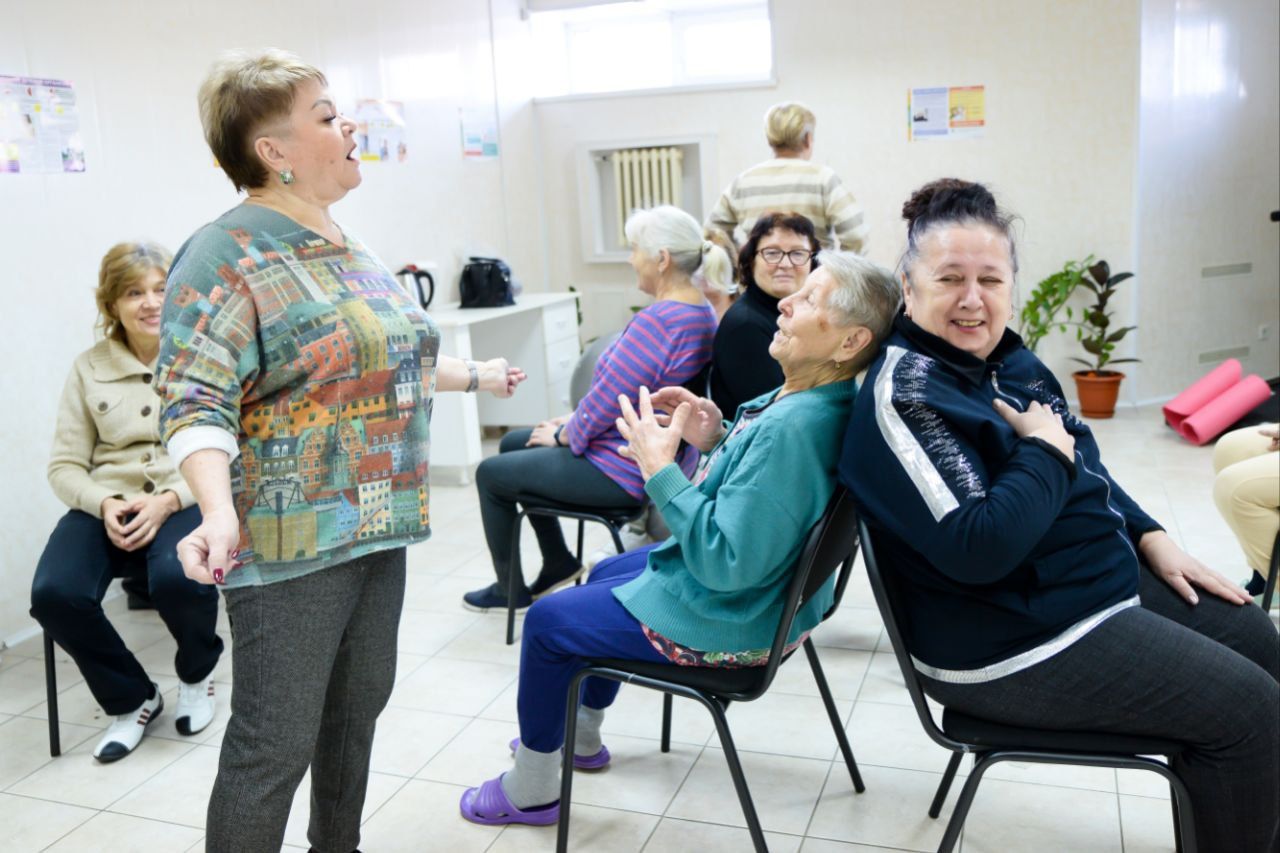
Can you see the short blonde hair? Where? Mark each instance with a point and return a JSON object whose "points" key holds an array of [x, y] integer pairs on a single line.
{"points": [[243, 93], [787, 125], [124, 266]]}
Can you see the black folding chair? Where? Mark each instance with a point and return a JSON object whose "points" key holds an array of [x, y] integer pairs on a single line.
{"points": [[830, 547], [613, 519], [990, 742]]}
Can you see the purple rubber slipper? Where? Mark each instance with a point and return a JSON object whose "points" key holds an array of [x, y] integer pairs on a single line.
{"points": [[599, 761], [489, 805]]}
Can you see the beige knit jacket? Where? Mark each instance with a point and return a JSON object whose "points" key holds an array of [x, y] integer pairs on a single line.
{"points": [[107, 443]]}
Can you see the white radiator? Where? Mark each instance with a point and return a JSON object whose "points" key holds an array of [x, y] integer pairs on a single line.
{"points": [[644, 177]]}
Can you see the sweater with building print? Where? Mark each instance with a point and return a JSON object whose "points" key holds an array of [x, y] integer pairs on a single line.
{"points": [[322, 368]]}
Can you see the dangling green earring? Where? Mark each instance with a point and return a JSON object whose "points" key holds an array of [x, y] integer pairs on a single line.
{"points": [[286, 176]]}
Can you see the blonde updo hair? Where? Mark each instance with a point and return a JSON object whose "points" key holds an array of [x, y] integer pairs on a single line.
{"points": [[243, 94], [670, 228], [787, 125], [125, 265]]}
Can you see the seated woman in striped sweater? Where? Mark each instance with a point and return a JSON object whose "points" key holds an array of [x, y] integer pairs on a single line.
{"points": [[712, 594], [574, 458]]}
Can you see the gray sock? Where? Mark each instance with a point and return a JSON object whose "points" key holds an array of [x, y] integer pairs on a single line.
{"points": [[587, 740], [535, 780]]}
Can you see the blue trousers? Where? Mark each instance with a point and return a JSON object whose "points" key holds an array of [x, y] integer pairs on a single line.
{"points": [[66, 599], [566, 630]]}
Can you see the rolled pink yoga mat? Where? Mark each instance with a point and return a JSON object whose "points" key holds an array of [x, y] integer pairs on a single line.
{"points": [[1202, 392], [1224, 410]]}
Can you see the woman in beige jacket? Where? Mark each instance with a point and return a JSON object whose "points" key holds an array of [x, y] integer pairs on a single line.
{"points": [[129, 507]]}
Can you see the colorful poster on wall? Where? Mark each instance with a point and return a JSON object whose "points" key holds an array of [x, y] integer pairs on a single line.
{"points": [[479, 133], [946, 112], [39, 126], [380, 131]]}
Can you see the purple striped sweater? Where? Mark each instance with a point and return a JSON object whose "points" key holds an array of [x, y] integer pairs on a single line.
{"points": [[667, 343]]}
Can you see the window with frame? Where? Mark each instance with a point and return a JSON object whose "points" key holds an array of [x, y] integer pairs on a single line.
{"points": [[651, 44]]}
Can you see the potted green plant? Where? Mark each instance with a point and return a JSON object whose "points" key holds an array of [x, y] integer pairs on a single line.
{"points": [[1098, 386]]}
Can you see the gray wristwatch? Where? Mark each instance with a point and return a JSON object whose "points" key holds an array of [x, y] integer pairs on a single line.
{"points": [[474, 384]]}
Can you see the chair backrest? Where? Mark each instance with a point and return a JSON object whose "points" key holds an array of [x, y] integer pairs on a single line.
{"points": [[884, 589], [831, 546], [580, 382]]}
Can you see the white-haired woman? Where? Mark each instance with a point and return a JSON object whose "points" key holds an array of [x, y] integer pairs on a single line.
{"points": [[789, 181], [574, 458], [297, 378], [713, 593]]}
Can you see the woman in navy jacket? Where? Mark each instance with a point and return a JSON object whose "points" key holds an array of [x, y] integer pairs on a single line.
{"points": [[1037, 593]]}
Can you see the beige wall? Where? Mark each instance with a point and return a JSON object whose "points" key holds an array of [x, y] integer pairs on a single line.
{"points": [[1062, 90], [1209, 175]]}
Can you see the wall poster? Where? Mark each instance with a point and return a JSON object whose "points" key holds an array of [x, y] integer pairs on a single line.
{"points": [[39, 126], [946, 112]]}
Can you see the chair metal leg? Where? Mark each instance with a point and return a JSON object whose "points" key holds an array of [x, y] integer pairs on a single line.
{"points": [[735, 771], [616, 533], [935, 808], [1269, 591], [566, 765], [1184, 823], [515, 576], [51, 692], [666, 722], [582, 528], [836, 724], [964, 801]]}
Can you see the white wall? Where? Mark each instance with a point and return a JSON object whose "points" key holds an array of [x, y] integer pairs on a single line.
{"points": [[1061, 82], [136, 67], [1209, 176]]}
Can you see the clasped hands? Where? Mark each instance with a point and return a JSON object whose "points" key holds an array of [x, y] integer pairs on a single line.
{"points": [[653, 433], [148, 514]]}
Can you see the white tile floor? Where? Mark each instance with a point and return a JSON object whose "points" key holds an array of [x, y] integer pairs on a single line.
{"points": [[453, 713]]}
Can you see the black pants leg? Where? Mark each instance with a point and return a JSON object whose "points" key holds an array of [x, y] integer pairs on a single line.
{"points": [[189, 609], [550, 472], [1203, 675], [71, 578]]}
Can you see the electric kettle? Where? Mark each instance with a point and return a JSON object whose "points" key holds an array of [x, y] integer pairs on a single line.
{"points": [[411, 280]]}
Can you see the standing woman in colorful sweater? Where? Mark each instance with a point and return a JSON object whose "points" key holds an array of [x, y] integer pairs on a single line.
{"points": [[297, 378], [790, 181], [129, 507], [713, 593], [574, 458]]}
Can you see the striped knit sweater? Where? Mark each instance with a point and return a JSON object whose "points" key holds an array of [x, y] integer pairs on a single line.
{"points": [[667, 343], [787, 184]]}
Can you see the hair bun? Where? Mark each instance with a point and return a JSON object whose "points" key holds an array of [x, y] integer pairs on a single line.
{"points": [[947, 199]]}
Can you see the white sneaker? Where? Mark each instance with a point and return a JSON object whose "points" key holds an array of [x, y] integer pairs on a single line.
{"points": [[124, 735], [195, 706]]}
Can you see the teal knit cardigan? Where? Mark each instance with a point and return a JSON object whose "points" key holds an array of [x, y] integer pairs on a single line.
{"points": [[720, 581]]}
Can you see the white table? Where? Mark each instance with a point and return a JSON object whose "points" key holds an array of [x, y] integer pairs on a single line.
{"points": [[540, 334]]}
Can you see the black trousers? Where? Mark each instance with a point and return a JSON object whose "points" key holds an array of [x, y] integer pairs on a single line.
{"points": [[1205, 675], [66, 599], [550, 472]]}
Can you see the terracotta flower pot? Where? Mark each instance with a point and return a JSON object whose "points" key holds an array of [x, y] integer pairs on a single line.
{"points": [[1098, 392]]}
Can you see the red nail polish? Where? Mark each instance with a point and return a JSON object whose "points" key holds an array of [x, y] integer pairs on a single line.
{"points": [[217, 575]]}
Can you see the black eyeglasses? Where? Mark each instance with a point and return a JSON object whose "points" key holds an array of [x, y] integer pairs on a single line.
{"points": [[799, 257]]}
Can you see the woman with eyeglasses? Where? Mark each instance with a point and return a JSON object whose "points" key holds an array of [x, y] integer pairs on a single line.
{"points": [[778, 256]]}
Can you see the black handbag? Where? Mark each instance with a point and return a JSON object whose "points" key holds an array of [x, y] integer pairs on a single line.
{"points": [[486, 283]]}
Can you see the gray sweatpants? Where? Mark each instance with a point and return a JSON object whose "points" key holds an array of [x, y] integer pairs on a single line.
{"points": [[315, 661]]}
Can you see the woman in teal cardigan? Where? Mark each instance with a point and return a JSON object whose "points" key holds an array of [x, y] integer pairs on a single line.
{"points": [[712, 594]]}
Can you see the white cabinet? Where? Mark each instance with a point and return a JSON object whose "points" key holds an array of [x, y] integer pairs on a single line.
{"points": [[539, 334]]}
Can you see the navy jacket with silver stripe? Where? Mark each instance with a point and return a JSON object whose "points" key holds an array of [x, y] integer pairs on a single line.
{"points": [[997, 544]]}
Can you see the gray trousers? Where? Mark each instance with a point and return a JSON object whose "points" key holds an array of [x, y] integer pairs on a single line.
{"points": [[315, 661], [1204, 675]]}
